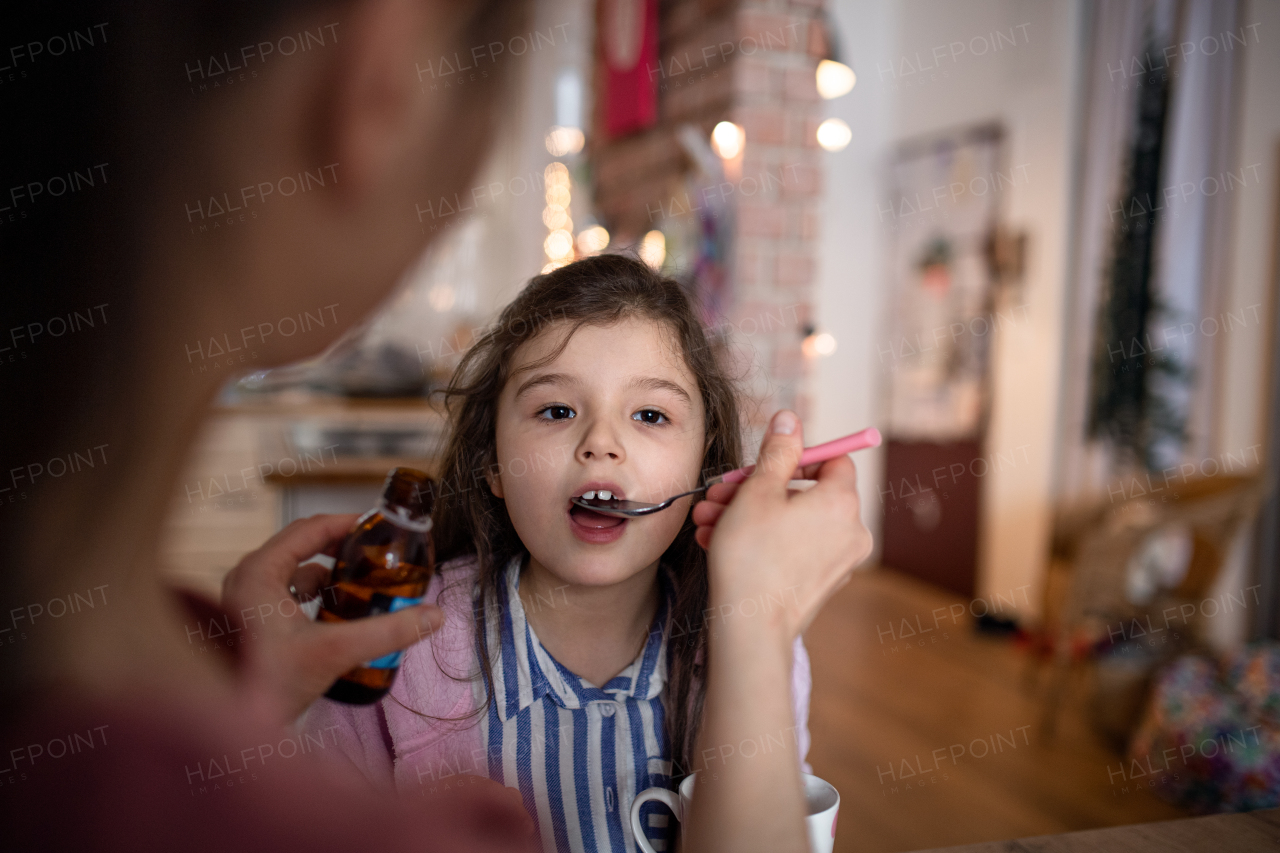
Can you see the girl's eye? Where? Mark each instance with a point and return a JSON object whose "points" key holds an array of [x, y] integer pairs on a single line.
{"points": [[649, 416], [556, 413]]}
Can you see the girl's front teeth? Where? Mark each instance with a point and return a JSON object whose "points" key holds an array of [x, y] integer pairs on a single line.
{"points": [[604, 495], [588, 495]]}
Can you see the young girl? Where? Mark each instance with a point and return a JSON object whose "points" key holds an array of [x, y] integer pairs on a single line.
{"points": [[571, 662]]}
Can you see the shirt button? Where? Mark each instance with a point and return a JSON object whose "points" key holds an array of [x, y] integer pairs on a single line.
{"points": [[607, 708]]}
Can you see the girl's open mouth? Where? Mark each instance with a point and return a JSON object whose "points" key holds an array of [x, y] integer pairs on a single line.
{"points": [[590, 518], [594, 527]]}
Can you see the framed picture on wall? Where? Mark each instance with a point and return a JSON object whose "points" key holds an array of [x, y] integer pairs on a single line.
{"points": [[945, 193]]}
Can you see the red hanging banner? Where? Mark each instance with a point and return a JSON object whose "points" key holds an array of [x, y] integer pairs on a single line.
{"points": [[629, 40]]}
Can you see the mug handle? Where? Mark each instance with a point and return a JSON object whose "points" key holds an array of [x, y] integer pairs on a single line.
{"points": [[662, 795]]}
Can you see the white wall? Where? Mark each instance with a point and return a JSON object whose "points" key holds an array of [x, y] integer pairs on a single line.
{"points": [[849, 294], [1030, 88]]}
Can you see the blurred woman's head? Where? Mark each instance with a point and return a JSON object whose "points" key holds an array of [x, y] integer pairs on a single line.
{"points": [[187, 175]]}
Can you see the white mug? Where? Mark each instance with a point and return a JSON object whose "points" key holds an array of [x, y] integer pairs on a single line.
{"points": [[822, 805]]}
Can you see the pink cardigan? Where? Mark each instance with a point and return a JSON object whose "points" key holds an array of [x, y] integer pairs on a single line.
{"points": [[439, 676]]}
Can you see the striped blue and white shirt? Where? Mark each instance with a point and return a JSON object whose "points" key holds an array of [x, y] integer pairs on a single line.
{"points": [[578, 753]]}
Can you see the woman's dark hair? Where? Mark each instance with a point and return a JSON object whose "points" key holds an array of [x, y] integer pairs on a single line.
{"points": [[596, 291]]}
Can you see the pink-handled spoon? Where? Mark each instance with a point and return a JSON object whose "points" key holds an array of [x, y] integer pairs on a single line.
{"points": [[821, 453]]}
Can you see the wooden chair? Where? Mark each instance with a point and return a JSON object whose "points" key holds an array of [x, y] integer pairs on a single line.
{"points": [[1092, 550]]}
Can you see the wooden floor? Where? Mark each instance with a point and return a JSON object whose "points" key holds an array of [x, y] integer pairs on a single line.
{"points": [[916, 732]]}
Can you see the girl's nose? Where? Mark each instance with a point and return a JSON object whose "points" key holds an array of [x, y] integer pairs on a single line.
{"points": [[600, 442]]}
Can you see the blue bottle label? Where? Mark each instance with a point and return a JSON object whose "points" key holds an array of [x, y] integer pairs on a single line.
{"points": [[388, 604]]}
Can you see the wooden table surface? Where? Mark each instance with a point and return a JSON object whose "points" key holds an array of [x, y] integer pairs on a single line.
{"points": [[1235, 833]]}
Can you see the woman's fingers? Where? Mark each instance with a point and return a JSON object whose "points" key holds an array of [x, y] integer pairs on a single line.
{"points": [[338, 646], [808, 472], [706, 512], [840, 470], [263, 571], [308, 536], [722, 492], [299, 666], [309, 579]]}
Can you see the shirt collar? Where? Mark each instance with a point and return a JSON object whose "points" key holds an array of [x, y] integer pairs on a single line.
{"points": [[524, 671]]}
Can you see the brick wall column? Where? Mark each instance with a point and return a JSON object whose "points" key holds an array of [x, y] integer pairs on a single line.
{"points": [[751, 62]]}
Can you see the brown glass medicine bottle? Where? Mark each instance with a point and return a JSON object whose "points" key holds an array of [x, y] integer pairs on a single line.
{"points": [[383, 566]]}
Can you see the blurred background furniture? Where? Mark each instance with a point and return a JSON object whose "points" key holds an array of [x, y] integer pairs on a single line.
{"points": [[1209, 740], [265, 459], [1131, 586]]}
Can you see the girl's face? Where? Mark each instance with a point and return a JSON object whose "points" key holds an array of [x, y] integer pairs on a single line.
{"points": [[617, 410]]}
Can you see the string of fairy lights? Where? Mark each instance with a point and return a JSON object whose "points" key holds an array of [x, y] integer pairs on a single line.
{"points": [[560, 246], [832, 78]]}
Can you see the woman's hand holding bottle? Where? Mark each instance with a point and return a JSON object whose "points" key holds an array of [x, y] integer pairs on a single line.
{"points": [[294, 660]]}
